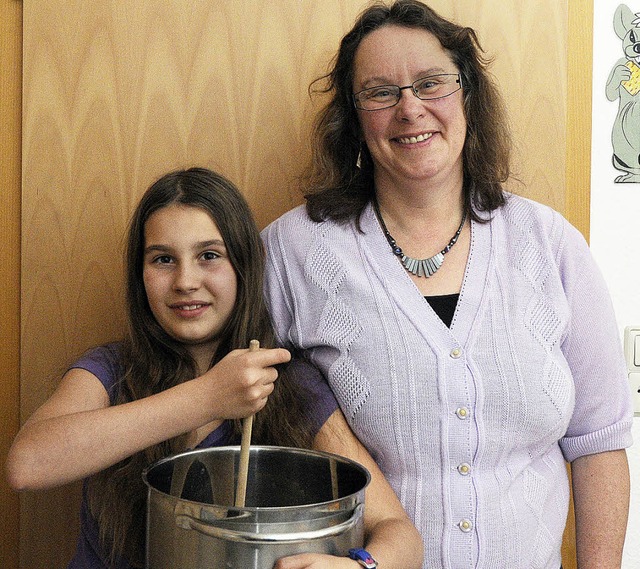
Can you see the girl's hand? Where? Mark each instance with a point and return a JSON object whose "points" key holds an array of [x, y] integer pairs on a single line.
{"points": [[315, 561], [77, 432], [241, 382]]}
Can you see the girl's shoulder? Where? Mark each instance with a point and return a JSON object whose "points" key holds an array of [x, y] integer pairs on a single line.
{"points": [[319, 401], [105, 362]]}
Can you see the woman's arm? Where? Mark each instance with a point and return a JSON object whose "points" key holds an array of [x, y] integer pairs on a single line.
{"points": [[76, 432], [601, 498], [389, 534]]}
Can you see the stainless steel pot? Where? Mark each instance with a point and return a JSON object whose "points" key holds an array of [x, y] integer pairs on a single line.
{"points": [[297, 501]]}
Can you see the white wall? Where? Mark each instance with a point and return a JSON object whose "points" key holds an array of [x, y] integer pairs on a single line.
{"points": [[615, 227]]}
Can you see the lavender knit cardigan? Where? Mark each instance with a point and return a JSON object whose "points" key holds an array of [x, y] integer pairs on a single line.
{"points": [[471, 425]]}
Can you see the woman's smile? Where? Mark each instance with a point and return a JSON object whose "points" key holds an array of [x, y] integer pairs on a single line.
{"points": [[414, 139], [434, 131]]}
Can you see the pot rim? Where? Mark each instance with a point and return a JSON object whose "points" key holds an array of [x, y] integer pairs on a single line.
{"points": [[254, 449]]}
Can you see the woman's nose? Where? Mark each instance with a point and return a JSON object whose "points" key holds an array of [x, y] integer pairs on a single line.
{"points": [[409, 107]]}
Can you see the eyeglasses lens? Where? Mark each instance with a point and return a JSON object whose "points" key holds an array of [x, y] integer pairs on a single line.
{"points": [[426, 88]]}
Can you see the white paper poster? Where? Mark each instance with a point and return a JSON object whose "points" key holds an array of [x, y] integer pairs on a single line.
{"points": [[615, 153]]}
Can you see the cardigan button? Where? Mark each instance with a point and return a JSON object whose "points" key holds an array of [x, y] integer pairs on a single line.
{"points": [[462, 413]]}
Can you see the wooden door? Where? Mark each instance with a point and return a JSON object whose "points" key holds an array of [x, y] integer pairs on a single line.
{"points": [[10, 144]]}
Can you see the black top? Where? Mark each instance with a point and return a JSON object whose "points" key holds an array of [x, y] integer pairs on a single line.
{"points": [[444, 306]]}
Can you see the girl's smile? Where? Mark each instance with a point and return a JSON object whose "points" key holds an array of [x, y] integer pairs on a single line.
{"points": [[189, 310], [188, 276]]}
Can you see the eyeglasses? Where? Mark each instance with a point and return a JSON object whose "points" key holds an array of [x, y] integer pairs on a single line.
{"points": [[426, 89]]}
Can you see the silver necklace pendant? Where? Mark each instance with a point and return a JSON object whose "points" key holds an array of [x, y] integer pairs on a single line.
{"points": [[422, 267], [418, 267]]}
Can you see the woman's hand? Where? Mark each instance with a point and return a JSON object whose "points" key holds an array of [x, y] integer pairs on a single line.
{"points": [[241, 382], [315, 561]]}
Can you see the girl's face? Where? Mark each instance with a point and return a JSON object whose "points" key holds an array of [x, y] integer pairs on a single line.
{"points": [[188, 277], [414, 140]]}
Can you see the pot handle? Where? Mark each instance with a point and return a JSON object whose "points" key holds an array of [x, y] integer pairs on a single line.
{"points": [[188, 522]]}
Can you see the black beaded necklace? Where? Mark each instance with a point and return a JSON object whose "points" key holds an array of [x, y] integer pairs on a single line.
{"points": [[418, 267]]}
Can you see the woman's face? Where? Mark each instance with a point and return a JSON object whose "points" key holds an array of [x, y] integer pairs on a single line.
{"points": [[188, 277], [415, 140]]}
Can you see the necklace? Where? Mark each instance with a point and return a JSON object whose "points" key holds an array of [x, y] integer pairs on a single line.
{"points": [[418, 267]]}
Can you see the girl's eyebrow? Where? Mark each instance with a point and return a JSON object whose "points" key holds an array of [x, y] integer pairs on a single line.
{"points": [[151, 248], [209, 243], [199, 245]]}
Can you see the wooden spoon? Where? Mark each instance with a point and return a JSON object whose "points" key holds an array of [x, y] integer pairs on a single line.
{"points": [[245, 444]]}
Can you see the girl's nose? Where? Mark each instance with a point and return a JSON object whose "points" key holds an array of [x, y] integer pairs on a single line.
{"points": [[186, 278]]}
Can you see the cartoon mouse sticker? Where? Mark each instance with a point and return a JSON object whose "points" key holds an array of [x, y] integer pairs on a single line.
{"points": [[624, 84]]}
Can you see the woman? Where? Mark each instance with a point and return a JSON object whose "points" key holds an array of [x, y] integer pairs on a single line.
{"points": [[183, 377], [472, 400]]}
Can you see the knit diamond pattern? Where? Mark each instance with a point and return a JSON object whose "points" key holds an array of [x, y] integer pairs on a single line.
{"points": [[339, 325]]}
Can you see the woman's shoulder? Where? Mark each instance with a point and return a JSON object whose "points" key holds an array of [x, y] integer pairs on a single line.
{"points": [[536, 233], [533, 218], [294, 234], [296, 223], [290, 219], [527, 211]]}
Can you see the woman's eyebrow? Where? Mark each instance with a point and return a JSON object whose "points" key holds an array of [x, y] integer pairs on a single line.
{"points": [[381, 80]]}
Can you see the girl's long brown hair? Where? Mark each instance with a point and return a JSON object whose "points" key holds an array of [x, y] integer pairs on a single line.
{"points": [[153, 361]]}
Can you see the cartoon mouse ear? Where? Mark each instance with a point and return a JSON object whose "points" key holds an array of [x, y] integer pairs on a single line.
{"points": [[623, 20]]}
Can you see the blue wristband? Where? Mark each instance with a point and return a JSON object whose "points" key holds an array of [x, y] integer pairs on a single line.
{"points": [[363, 557]]}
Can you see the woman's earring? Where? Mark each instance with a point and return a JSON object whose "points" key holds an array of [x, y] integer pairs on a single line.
{"points": [[359, 160]]}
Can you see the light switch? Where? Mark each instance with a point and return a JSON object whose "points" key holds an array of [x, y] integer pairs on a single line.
{"points": [[632, 348], [632, 355]]}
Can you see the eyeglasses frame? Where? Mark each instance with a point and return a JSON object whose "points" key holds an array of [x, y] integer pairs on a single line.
{"points": [[413, 90]]}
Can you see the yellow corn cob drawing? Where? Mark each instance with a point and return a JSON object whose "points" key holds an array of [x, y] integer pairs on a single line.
{"points": [[633, 84]]}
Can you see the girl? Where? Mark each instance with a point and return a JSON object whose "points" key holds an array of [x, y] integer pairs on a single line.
{"points": [[183, 378]]}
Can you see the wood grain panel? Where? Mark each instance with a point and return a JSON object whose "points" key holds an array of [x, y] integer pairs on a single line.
{"points": [[578, 164], [116, 93], [10, 182], [579, 72]]}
